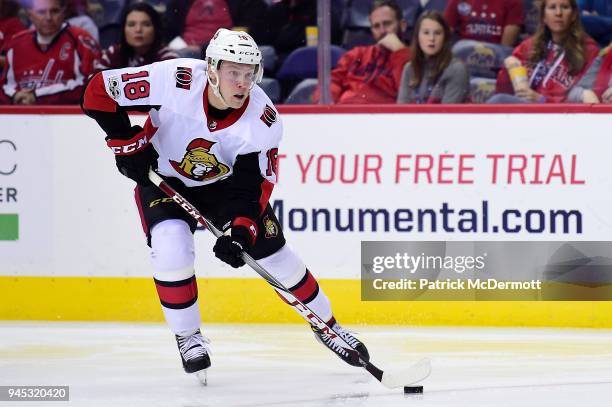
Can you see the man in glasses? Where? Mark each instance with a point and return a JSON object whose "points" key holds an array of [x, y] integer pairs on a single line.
{"points": [[213, 134], [48, 64]]}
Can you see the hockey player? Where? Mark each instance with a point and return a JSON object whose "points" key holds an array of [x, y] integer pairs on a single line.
{"points": [[213, 134]]}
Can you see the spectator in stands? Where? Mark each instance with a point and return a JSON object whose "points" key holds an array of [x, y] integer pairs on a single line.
{"points": [[249, 15], [430, 5], [372, 74], [433, 75], [286, 22], [9, 24], [532, 18], [596, 16], [76, 14], [190, 24], [603, 81], [495, 21], [49, 63], [548, 64], [140, 42], [596, 84]]}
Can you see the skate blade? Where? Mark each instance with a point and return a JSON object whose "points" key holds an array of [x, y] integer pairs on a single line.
{"points": [[202, 376]]}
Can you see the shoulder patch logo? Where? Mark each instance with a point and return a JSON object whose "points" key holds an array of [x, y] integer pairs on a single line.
{"points": [[268, 116], [113, 87], [88, 42], [183, 78], [271, 227]]}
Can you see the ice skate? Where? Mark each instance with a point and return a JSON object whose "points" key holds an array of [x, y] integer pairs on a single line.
{"points": [[195, 354], [355, 343]]}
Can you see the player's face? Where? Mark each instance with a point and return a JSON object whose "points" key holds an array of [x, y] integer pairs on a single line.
{"points": [[47, 16], [431, 37], [235, 82], [139, 31], [383, 21], [558, 15]]}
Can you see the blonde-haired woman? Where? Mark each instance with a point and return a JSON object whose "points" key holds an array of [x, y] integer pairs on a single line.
{"points": [[551, 61]]}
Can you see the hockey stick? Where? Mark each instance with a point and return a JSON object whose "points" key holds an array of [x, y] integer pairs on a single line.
{"points": [[413, 374]]}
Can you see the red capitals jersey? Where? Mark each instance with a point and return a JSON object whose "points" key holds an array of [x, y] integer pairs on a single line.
{"points": [[551, 76], [483, 20], [9, 27], [56, 74]]}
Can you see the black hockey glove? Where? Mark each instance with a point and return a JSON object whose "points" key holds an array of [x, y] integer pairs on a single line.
{"points": [[229, 248], [134, 156], [136, 166]]}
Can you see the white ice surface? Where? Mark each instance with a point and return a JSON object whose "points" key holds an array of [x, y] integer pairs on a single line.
{"points": [[282, 365]]}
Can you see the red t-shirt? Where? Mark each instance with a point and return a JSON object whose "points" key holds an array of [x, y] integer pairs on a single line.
{"points": [[9, 27], [483, 20], [369, 74], [56, 74]]}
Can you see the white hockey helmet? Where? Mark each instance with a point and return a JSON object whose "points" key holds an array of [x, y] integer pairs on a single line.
{"points": [[233, 46]]}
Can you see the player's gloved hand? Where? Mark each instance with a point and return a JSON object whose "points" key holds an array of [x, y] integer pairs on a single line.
{"points": [[134, 156], [136, 166], [229, 248]]}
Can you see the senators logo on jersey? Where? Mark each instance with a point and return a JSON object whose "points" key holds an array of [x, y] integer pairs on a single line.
{"points": [[268, 116], [198, 163], [271, 227], [183, 77]]}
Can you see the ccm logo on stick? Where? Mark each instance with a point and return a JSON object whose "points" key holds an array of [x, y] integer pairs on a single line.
{"points": [[186, 206]]}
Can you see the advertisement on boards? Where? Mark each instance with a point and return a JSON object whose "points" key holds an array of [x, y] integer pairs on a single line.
{"points": [[26, 167], [343, 179]]}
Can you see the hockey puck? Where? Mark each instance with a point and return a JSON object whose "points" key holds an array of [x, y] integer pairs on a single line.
{"points": [[413, 389]]}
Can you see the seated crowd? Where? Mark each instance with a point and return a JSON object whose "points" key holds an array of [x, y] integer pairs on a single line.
{"points": [[384, 51]]}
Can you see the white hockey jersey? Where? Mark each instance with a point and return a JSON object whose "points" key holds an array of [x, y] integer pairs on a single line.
{"points": [[192, 146]]}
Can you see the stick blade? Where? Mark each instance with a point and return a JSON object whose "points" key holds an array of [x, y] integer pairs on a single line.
{"points": [[414, 374]]}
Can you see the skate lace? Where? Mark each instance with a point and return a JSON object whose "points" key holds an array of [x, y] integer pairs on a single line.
{"points": [[344, 334], [193, 346]]}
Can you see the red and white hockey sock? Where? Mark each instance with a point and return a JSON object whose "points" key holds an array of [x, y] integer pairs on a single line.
{"points": [[179, 301], [288, 268], [310, 293], [172, 257]]}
